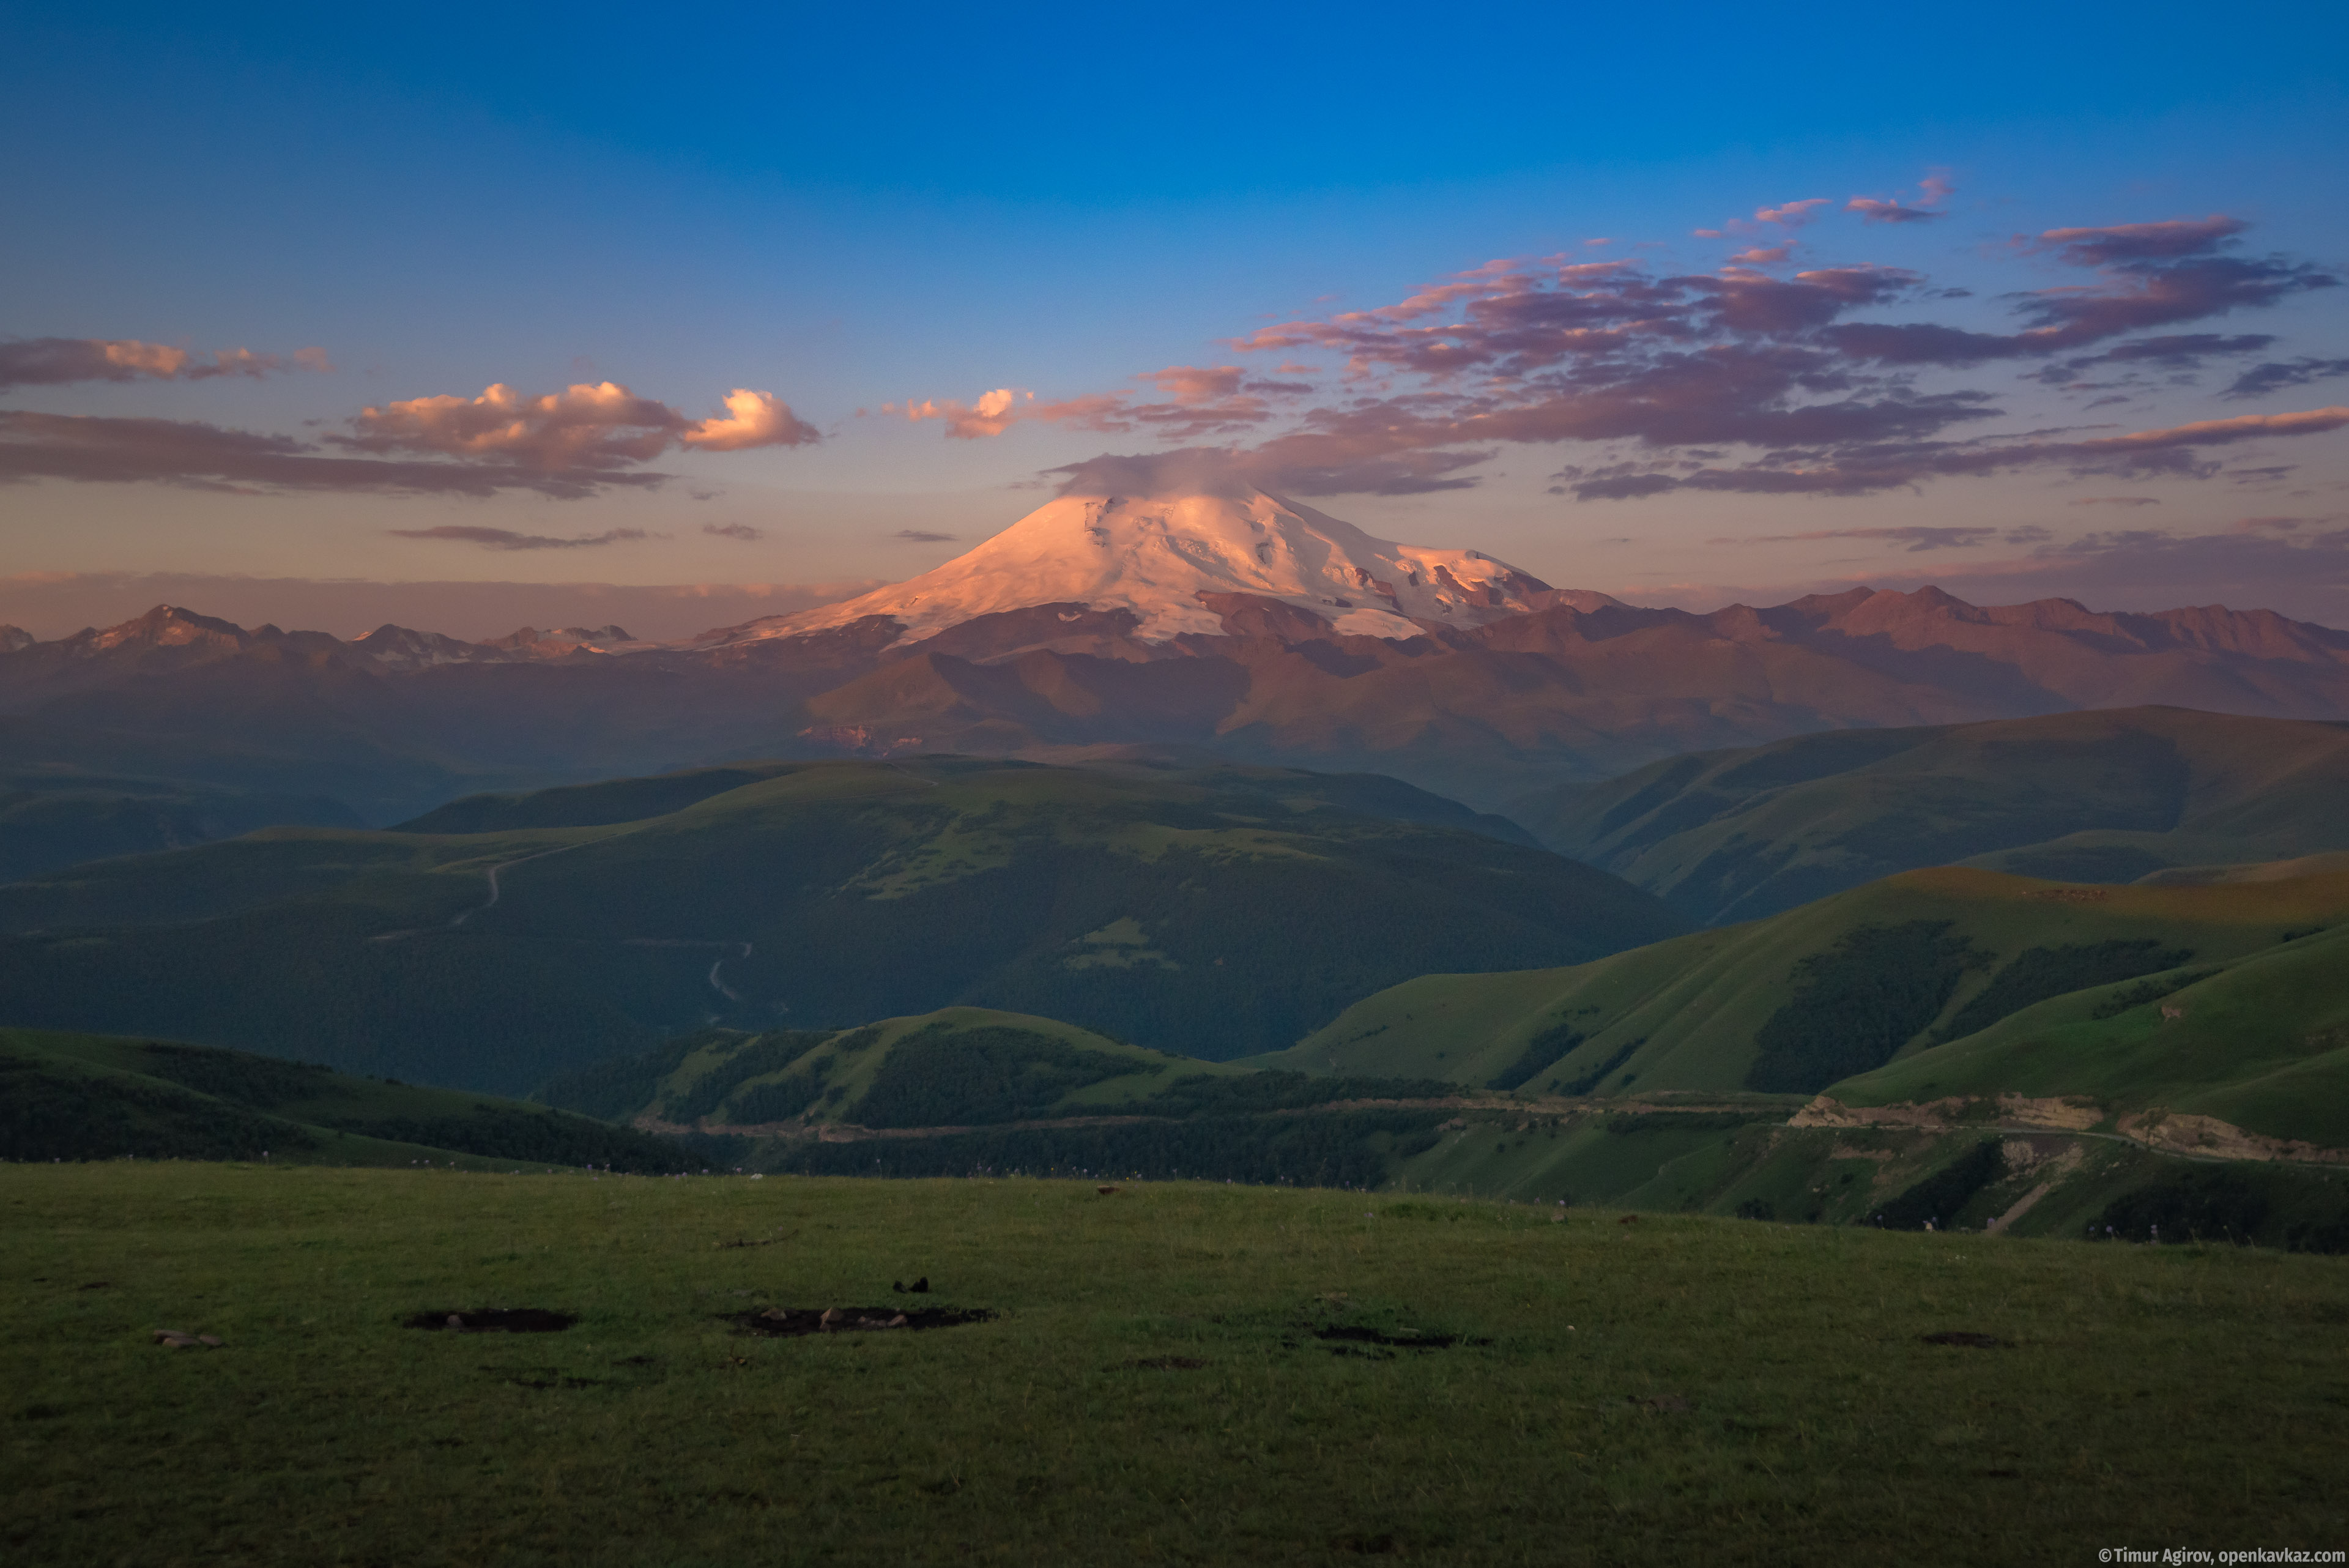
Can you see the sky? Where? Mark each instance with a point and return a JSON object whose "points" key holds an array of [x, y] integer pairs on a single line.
{"points": [[590, 315]]}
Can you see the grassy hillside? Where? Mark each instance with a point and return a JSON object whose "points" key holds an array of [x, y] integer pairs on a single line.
{"points": [[2094, 798], [53, 818], [1217, 912], [85, 1096], [972, 1064], [2262, 1043], [1183, 1371], [1924, 965], [967, 1091]]}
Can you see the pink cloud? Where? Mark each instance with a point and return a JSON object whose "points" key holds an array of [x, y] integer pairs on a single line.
{"points": [[1688, 367], [59, 361], [993, 413], [1202, 400], [752, 419], [1933, 190], [1878, 211], [1790, 214], [585, 424], [2117, 243]]}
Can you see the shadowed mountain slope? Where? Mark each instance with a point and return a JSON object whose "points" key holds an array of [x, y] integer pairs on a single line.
{"points": [[1217, 912], [2098, 796], [90, 1097]]}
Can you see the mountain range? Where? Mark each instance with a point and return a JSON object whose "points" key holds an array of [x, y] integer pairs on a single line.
{"points": [[1234, 627]]}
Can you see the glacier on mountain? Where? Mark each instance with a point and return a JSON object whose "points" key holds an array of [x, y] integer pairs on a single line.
{"points": [[1157, 557]]}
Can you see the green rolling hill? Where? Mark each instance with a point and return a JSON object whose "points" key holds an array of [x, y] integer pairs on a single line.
{"points": [[968, 1090], [1219, 912], [75, 1096], [1912, 976], [2104, 796]]}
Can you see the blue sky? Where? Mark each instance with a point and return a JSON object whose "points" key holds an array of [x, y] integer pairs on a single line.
{"points": [[925, 206]]}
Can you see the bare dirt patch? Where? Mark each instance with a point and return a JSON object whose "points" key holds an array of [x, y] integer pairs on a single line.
{"points": [[1405, 1339], [794, 1323], [495, 1320]]}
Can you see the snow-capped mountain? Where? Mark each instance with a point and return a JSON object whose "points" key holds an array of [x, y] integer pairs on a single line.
{"points": [[1155, 558]]}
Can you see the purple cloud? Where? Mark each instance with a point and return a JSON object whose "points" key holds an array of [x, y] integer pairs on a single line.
{"points": [[506, 539], [61, 361], [205, 456]]}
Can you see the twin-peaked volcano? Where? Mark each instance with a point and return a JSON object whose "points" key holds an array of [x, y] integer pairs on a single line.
{"points": [[1163, 560]]}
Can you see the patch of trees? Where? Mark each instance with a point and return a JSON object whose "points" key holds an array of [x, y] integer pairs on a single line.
{"points": [[1341, 1148], [2209, 1204], [1210, 1095], [1857, 1003], [1542, 1053], [779, 1100], [260, 1082], [620, 1086], [1941, 1195], [1589, 1081], [47, 1114], [1632, 1125], [2270, 1205], [755, 1057], [531, 1138], [945, 1076], [2035, 975], [2153, 990]]}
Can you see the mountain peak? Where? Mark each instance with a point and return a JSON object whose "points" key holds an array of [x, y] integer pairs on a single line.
{"points": [[1159, 559], [171, 626]]}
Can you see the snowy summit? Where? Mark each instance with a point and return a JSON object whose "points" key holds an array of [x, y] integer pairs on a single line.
{"points": [[1158, 558]]}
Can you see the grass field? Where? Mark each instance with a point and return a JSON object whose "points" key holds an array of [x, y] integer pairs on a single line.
{"points": [[1677, 1388]]}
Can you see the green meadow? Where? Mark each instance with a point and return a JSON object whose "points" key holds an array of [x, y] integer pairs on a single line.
{"points": [[1176, 1373]]}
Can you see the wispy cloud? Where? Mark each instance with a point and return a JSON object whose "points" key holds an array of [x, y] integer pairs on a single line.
{"points": [[921, 537], [1918, 539], [1860, 469], [1736, 378], [742, 531], [2277, 376], [61, 361], [204, 456], [507, 539], [597, 424], [566, 445]]}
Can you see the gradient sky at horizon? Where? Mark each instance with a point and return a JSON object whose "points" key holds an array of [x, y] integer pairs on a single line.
{"points": [[925, 206]]}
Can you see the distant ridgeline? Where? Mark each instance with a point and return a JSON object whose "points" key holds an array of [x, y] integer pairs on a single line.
{"points": [[2103, 796], [81, 1096]]}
